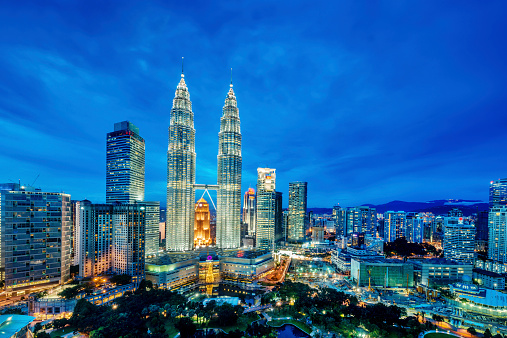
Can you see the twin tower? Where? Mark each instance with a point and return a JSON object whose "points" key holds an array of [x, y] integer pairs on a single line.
{"points": [[181, 174]]}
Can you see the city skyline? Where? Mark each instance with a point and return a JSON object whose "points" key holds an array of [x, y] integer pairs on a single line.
{"points": [[366, 108]]}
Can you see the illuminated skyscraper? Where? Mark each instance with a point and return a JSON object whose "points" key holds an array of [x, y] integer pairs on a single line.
{"points": [[202, 235], [394, 225], [459, 240], [124, 164], [498, 193], [229, 176], [266, 208], [497, 246], [181, 173], [297, 210], [249, 210]]}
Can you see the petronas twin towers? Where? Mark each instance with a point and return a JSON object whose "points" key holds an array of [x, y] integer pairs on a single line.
{"points": [[181, 174]]}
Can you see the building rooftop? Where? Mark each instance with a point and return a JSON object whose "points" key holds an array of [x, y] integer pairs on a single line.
{"points": [[12, 324], [488, 273], [436, 261], [245, 254]]}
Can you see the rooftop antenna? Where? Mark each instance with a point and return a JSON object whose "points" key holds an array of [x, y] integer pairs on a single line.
{"points": [[182, 59], [231, 77]]}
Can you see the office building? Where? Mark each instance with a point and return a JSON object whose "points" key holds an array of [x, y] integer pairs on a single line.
{"points": [[249, 203], [489, 279], [498, 193], [297, 211], [414, 230], [497, 246], [394, 225], [181, 173], [35, 243], [111, 238], [381, 272], [124, 164], [278, 216], [339, 216], [229, 176], [362, 219], [202, 231], [436, 272], [266, 208], [482, 231], [459, 240], [152, 227]]}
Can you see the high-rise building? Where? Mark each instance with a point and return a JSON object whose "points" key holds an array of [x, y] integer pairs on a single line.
{"points": [[111, 238], [181, 173], [482, 231], [129, 229], [229, 176], [340, 219], [124, 164], [394, 225], [297, 210], [278, 216], [497, 246], [459, 240], [152, 227], [414, 230], [455, 212], [498, 193], [362, 219], [35, 245], [249, 211], [266, 208], [202, 231]]}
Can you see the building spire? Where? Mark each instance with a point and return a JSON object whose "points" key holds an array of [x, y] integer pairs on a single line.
{"points": [[231, 77], [182, 59]]}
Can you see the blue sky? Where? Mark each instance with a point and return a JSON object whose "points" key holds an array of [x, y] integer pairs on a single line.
{"points": [[368, 101]]}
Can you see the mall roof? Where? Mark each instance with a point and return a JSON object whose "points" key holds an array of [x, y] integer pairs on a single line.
{"points": [[12, 324]]}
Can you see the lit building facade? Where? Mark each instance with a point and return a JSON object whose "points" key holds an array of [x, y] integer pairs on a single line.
{"points": [[249, 206], [459, 240], [394, 225], [125, 164], [181, 173], [35, 231], [229, 176], [152, 227], [497, 246], [202, 231], [111, 238], [297, 210], [266, 208], [498, 193]]}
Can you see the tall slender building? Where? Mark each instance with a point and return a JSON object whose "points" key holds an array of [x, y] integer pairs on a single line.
{"points": [[249, 210], [229, 176], [266, 208], [497, 250], [181, 173], [498, 193], [124, 164], [297, 210]]}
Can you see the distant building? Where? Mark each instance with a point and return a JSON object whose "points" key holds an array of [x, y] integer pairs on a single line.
{"points": [[152, 227], [266, 208], [202, 231], [459, 240], [318, 234], [356, 219], [278, 216], [497, 246], [35, 245], [297, 210], [394, 225], [125, 164], [455, 212], [439, 271], [414, 231], [488, 279], [381, 272], [357, 239], [340, 218], [482, 231], [249, 211], [498, 193]]}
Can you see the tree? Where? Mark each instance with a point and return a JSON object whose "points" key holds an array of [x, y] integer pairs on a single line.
{"points": [[186, 327], [472, 330], [487, 334], [43, 334]]}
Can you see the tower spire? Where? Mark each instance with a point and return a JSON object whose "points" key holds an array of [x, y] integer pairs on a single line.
{"points": [[231, 77], [182, 59]]}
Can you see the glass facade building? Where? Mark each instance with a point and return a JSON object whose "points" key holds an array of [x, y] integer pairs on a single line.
{"points": [[249, 206], [35, 237], [125, 164], [498, 193], [394, 225], [266, 208], [297, 210], [497, 246], [228, 233], [459, 240], [181, 173]]}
